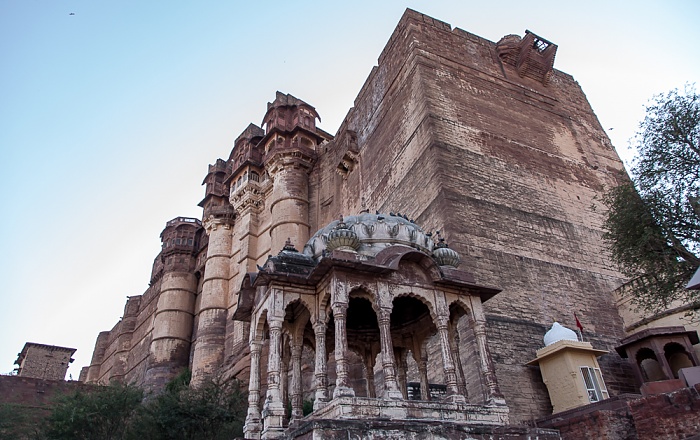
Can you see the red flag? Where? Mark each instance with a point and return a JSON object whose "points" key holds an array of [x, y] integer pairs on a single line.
{"points": [[578, 323]]}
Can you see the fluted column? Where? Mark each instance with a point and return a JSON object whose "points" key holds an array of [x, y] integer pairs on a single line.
{"points": [[342, 386], [369, 366], [391, 388], [284, 377], [320, 371], [252, 426], [424, 384], [488, 372], [448, 364], [297, 408], [273, 409], [401, 367], [421, 359], [208, 354], [459, 370]]}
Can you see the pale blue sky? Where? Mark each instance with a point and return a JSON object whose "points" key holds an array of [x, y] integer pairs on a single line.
{"points": [[109, 117]]}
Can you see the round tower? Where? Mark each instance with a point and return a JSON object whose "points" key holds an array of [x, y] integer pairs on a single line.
{"points": [[173, 317], [290, 145], [208, 350]]}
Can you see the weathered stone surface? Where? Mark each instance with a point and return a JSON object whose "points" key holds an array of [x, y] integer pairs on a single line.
{"points": [[485, 142], [666, 416], [42, 361]]}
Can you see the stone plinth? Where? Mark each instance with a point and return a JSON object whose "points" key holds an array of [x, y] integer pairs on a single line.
{"points": [[367, 408], [412, 429]]}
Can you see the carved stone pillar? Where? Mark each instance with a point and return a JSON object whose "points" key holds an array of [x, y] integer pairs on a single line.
{"points": [[320, 373], [297, 408], [369, 366], [273, 409], [252, 426], [448, 364], [401, 370], [342, 386], [488, 372], [457, 359], [424, 384], [421, 359], [391, 388], [284, 377]]}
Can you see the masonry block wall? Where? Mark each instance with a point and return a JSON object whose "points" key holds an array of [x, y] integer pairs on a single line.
{"points": [[42, 361], [483, 141]]}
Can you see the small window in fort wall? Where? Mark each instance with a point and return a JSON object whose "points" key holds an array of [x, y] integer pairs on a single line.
{"points": [[593, 381], [306, 142], [255, 177], [677, 357], [649, 366]]}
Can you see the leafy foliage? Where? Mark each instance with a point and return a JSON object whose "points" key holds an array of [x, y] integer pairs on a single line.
{"points": [[106, 413], [19, 421], [214, 410], [653, 224]]}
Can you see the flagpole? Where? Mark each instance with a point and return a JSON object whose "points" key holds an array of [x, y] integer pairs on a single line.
{"points": [[579, 327]]}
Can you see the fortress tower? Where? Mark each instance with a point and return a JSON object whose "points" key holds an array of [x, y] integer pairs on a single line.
{"points": [[485, 142]]}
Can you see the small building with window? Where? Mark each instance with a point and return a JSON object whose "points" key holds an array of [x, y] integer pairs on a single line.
{"points": [[570, 369]]}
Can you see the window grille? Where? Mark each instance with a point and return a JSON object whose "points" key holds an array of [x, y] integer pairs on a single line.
{"points": [[593, 381]]}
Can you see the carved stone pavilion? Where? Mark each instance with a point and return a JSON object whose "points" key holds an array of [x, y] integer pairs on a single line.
{"points": [[374, 289]]}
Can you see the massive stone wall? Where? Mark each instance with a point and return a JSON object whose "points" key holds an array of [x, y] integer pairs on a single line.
{"points": [[508, 168], [447, 131]]}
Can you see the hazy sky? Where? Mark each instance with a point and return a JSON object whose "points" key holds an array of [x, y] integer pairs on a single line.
{"points": [[109, 118]]}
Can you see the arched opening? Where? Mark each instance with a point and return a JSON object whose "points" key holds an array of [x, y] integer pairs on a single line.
{"points": [[677, 357], [295, 366], [414, 339], [466, 353], [363, 344], [649, 366]]}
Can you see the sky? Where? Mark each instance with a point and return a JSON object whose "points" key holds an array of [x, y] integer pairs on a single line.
{"points": [[109, 118]]}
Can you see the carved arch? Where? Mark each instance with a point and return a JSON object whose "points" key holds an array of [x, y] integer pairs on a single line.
{"points": [[257, 331], [420, 297], [392, 256]]}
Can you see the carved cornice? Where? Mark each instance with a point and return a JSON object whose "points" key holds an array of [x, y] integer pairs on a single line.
{"points": [[249, 197], [213, 222], [297, 158]]}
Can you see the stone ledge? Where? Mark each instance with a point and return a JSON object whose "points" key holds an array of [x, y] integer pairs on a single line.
{"points": [[412, 410], [332, 429]]}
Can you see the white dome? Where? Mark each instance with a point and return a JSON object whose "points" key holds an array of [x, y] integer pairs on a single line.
{"points": [[557, 333]]}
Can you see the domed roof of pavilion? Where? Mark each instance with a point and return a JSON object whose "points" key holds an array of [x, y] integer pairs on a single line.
{"points": [[557, 333], [368, 234]]}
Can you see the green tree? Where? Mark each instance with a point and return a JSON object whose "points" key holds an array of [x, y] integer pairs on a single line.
{"points": [[105, 413], [214, 410], [19, 422], [653, 222]]}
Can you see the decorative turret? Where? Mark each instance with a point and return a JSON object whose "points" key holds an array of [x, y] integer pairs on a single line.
{"points": [[532, 56], [444, 256], [215, 202], [343, 238], [290, 143]]}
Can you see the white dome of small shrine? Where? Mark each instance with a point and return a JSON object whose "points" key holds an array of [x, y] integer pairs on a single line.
{"points": [[557, 333]]}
